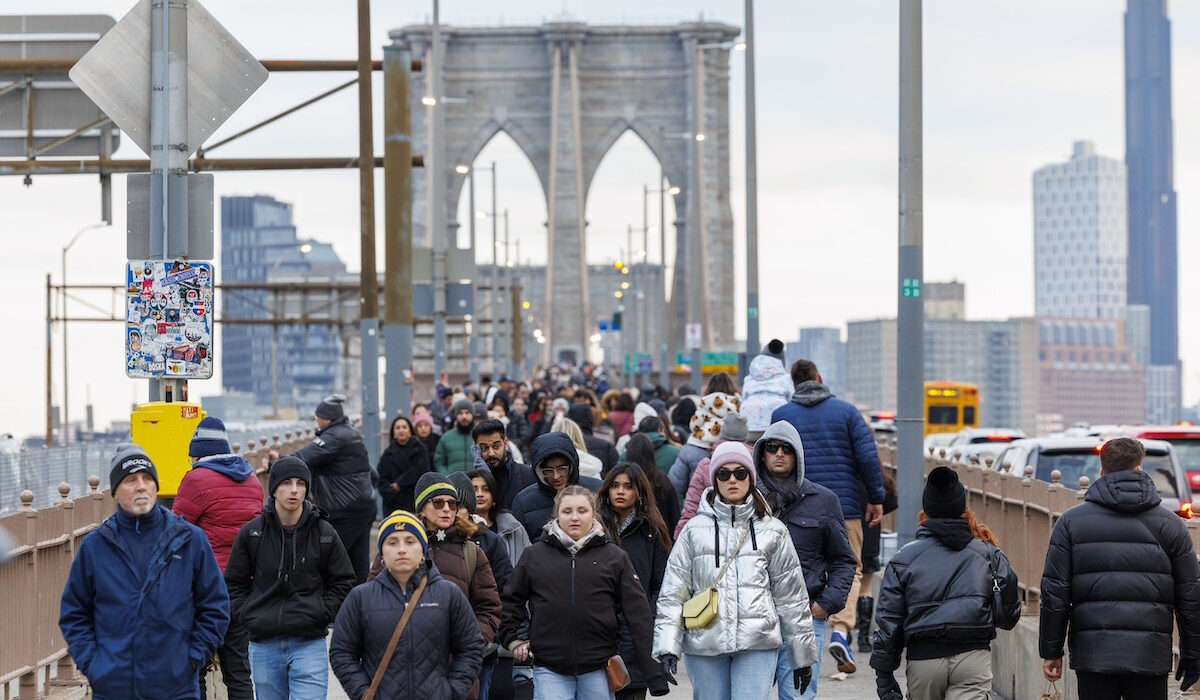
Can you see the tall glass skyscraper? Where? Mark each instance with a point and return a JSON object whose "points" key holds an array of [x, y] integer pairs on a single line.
{"points": [[259, 244], [1149, 156]]}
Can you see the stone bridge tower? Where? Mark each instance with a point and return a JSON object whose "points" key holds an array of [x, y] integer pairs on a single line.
{"points": [[565, 92]]}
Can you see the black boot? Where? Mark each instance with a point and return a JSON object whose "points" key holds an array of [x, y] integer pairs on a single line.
{"points": [[866, 610]]}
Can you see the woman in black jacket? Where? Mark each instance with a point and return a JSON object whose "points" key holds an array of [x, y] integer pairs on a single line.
{"points": [[629, 513], [400, 465], [439, 652], [562, 605], [937, 601]]}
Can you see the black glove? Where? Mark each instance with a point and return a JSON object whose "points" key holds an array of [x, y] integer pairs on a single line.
{"points": [[1188, 673], [801, 677], [657, 686], [887, 687], [669, 664]]}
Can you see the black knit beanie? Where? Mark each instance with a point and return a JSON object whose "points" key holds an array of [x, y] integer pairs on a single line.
{"points": [[466, 490], [129, 459], [944, 495], [286, 468], [330, 407]]}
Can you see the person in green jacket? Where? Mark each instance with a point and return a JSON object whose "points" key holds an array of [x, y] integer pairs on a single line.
{"points": [[664, 452], [453, 453]]}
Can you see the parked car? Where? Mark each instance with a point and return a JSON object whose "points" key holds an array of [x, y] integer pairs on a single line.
{"points": [[1074, 457], [971, 436], [1184, 438]]}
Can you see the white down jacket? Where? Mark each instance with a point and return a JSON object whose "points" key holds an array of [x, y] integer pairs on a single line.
{"points": [[767, 387], [762, 598]]}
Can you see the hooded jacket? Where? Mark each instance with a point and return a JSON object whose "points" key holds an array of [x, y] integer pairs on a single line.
{"points": [[285, 584], [1119, 567], [114, 621], [219, 496], [574, 601], [839, 451], [439, 654], [341, 472], [534, 506], [763, 601], [767, 387], [516, 539], [935, 599], [401, 465], [813, 517]]}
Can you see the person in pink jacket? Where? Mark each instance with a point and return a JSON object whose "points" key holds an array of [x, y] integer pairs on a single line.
{"points": [[220, 495], [734, 430]]}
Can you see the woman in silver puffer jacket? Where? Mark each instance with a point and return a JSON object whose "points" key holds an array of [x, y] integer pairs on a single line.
{"points": [[763, 601]]}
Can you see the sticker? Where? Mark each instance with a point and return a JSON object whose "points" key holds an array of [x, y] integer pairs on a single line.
{"points": [[168, 314]]}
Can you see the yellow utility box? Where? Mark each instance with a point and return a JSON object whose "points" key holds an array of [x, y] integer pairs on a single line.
{"points": [[164, 430]]}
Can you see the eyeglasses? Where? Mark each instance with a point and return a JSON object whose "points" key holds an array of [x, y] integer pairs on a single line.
{"points": [[739, 474], [775, 446], [551, 471], [444, 503]]}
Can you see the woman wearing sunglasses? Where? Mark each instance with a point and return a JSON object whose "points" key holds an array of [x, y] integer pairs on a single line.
{"points": [[762, 599]]}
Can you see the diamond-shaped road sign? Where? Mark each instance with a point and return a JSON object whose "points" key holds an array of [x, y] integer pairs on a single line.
{"points": [[115, 73]]}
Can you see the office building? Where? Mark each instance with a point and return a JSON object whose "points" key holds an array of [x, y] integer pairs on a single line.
{"points": [[283, 366], [945, 300], [1088, 374], [1079, 232], [825, 348]]}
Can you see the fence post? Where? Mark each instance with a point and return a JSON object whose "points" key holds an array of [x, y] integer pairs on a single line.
{"points": [[27, 686]]}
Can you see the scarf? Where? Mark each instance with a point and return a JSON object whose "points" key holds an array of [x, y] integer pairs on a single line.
{"points": [[780, 495], [572, 545]]}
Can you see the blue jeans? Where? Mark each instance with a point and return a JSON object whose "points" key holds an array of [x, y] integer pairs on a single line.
{"points": [[286, 668], [783, 670], [548, 685], [746, 675]]}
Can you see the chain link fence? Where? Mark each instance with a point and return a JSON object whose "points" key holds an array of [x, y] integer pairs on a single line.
{"points": [[42, 470]]}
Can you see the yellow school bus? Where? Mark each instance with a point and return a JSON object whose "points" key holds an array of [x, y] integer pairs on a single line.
{"points": [[950, 406]]}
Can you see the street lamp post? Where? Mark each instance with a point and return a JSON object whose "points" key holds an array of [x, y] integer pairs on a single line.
{"points": [[752, 341], [473, 337], [662, 191], [66, 423]]}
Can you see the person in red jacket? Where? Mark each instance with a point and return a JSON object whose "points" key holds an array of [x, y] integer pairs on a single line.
{"points": [[219, 495]]}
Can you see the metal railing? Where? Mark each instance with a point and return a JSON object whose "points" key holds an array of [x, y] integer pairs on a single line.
{"points": [[33, 577], [41, 470], [1019, 509]]}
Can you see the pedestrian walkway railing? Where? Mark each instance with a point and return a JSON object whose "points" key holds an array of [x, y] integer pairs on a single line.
{"points": [[33, 570], [32, 575], [1019, 509]]}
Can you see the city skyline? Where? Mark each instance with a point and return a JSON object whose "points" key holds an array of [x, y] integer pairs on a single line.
{"points": [[997, 107]]}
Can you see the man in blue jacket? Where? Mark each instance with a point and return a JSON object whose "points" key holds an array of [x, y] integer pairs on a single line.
{"points": [[145, 606], [839, 454]]}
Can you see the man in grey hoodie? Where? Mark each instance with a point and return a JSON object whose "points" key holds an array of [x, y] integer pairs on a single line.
{"points": [[813, 517]]}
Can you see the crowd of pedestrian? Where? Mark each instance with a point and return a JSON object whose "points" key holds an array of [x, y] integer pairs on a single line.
{"points": [[558, 539]]}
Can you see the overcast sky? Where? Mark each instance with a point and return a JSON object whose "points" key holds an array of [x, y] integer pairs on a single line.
{"points": [[1009, 85]]}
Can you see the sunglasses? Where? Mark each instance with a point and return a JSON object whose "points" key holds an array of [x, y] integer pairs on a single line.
{"points": [[775, 446], [739, 474], [444, 503]]}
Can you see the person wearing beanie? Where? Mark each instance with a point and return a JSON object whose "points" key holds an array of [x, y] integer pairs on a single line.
{"points": [[287, 575], [492, 544], [342, 484], [112, 608], [458, 557], [813, 517], [839, 454], [453, 453], [220, 495], [938, 601], [763, 603], [775, 348], [439, 651], [706, 425], [733, 430], [426, 431]]}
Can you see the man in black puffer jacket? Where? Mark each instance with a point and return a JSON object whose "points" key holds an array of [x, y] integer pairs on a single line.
{"points": [[342, 483], [287, 576], [1118, 568], [555, 465]]}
